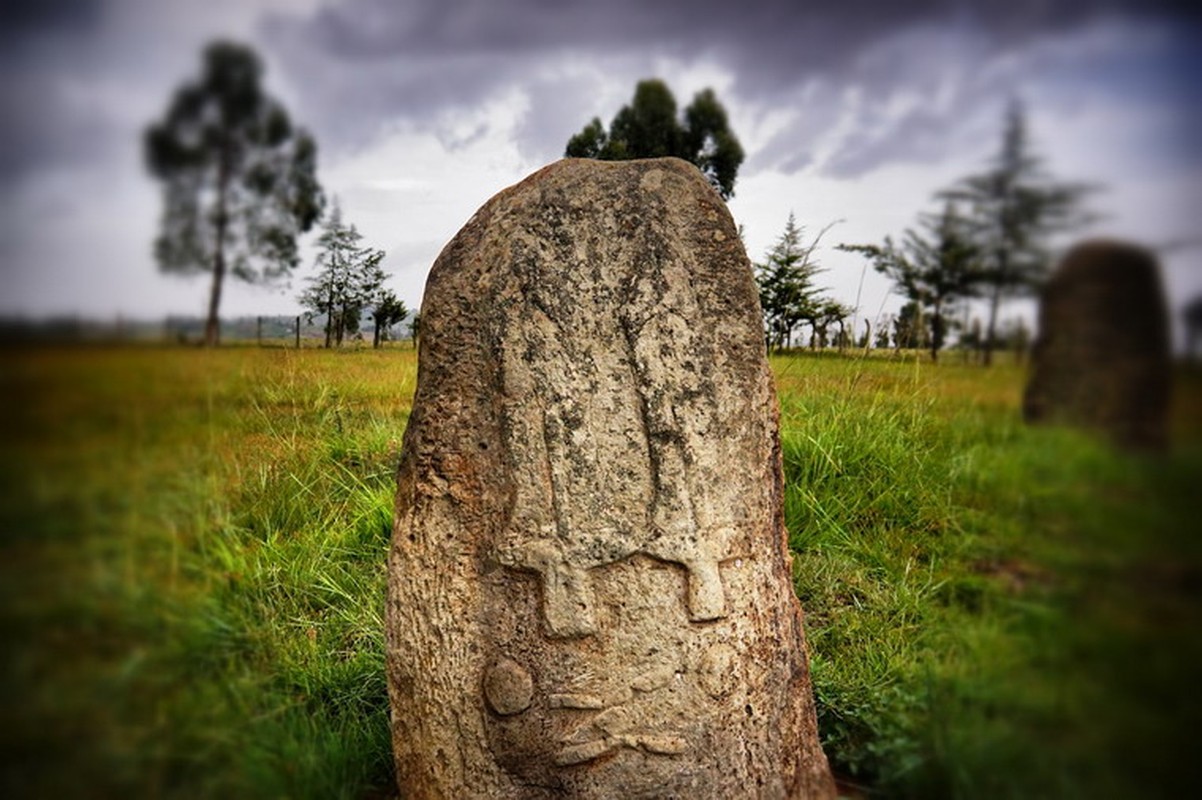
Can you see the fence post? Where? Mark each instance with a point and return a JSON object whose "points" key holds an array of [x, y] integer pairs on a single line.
{"points": [[259, 330], [298, 332]]}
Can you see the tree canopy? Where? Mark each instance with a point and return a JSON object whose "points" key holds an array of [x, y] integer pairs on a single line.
{"points": [[239, 181], [1014, 208], [650, 128]]}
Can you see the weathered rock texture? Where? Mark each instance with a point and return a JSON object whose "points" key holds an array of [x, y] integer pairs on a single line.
{"points": [[589, 585], [1101, 360]]}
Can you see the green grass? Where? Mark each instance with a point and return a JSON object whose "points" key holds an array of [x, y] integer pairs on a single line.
{"points": [[993, 610], [194, 567], [192, 577]]}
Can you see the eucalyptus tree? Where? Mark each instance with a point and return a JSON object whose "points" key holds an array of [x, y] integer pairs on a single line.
{"points": [[239, 180], [832, 312], [415, 327], [386, 310], [649, 128]]}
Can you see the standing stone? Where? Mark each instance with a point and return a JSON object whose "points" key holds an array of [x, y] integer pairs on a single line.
{"points": [[1191, 315], [589, 584], [1101, 359]]}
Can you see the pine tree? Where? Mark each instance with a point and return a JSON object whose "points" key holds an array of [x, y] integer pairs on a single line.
{"points": [[349, 277], [1015, 208], [788, 296], [785, 280]]}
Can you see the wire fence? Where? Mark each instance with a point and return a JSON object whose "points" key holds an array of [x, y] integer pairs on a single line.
{"points": [[271, 330]]}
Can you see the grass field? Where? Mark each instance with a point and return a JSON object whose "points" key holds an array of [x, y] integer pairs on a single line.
{"points": [[192, 578]]}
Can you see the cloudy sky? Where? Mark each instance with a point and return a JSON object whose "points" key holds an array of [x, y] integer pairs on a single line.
{"points": [[856, 110]]}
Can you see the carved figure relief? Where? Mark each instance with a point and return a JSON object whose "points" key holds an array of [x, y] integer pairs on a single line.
{"points": [[581, 507], [655, 510]]}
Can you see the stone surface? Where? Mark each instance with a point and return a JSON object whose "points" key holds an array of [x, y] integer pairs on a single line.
{"points": [[1191, 317], [1101, 360], [589, 584]]}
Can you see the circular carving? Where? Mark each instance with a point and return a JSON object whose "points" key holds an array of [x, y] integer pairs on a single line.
{"points": [[508, 687]]}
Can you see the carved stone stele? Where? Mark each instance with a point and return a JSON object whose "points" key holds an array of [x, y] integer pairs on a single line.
{"points": [[1101, 359], [589, 583]]}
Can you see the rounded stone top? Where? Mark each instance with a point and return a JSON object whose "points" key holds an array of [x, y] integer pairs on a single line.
{"points": [[1109, 260], [592, 181]]}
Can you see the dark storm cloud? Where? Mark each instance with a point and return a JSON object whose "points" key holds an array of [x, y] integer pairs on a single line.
{"points": [[22, 19], [366, 61], [49, 120], [39, 121], [780, 34], [921, 131], [360, 65]]}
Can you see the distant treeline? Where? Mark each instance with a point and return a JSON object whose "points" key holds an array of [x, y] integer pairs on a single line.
{"points": [[171, 329]]}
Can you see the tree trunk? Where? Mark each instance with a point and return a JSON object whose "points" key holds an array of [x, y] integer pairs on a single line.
{"points": [[330, 316], [994, 301], [213, 323], [936, 331]]}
